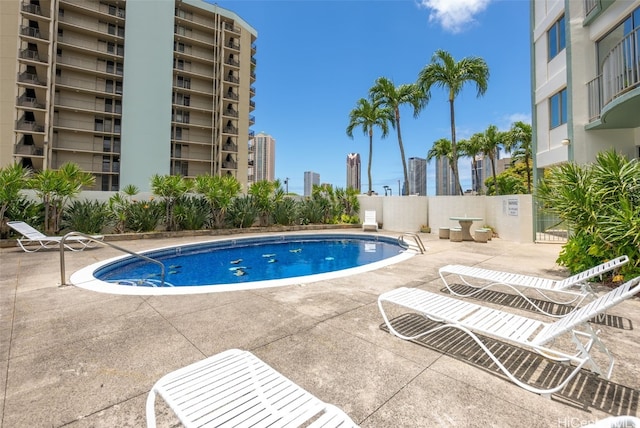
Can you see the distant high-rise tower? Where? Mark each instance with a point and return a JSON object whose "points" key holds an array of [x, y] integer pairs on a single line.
{"points": [[310, 178], [262, 151], [418, 176], [445, 184], [354, 171]]}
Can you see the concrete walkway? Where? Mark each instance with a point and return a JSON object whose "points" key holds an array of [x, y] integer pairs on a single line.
{"points": [[76, 358]]}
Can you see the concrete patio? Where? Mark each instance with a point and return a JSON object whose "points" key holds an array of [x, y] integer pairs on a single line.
{"points": [[76, 358]]}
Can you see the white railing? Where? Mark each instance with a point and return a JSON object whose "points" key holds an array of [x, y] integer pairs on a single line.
{"points": [[620, 72]]}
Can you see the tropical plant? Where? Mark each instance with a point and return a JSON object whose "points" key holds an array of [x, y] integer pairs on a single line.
{"points": [[219, 191], [393, 98], [512, 181], [445, 72], [600, 203], [119, 206], [170, 188], [472, 147], [265, 194], [491, 141], [311, 210], [87, 216], [517, 141], [143, 216], [192, 213], [368, 114], [13, 178], [55, 188], [285, 211], [242, 211]]}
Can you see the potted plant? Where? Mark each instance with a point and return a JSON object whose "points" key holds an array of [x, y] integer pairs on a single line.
{"points": [[425, 229]]}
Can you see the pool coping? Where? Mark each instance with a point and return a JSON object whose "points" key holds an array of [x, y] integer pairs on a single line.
{"points": [[84, 278]]}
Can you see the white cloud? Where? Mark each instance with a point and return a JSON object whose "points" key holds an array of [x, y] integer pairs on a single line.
{"points": [[454, 15]]}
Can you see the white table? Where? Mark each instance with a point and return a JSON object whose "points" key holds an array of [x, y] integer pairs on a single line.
{"points": [[465, 224]]}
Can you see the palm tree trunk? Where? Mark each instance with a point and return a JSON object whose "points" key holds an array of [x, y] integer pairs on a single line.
{"points": [[493, 171], [454, 149], [474, 163], [526, 161], [404, 161], [370, 156]]}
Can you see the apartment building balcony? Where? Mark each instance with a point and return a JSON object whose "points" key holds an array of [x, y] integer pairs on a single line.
{"points": [[97, 29], [230, 113], [614, 95], [231, 79], [34, 9], [252, 120], [196, 21], [30, 78], [103, 11], [90, 86], [229, 165], [252, 134], [29, 150], [230, 129], [252, 91], [232, 45], [28, 125], [230, 96], [230, 148], [105, 50], [232, 62], [32, 55], [32, 32], [231, 28], [29, 102], [190, 55]]}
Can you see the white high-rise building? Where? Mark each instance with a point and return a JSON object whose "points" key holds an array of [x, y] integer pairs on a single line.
{"points": [[310, 179], [418, 176]]}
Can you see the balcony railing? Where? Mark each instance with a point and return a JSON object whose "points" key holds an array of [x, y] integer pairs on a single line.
{"points": [[589, 6], [230, 148], [25, 101], [25, 77], [33, 9], [231, 96], [230, 112], [230, 130], [231, 79], [231, 27], [231, 61], [233, 45], [27, 149], [620, 73], [252, 120], [29, 125], [31, 32], [32, 55]]}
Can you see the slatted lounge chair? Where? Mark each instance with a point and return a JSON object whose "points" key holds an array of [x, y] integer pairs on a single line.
{"points": [[33, 240], [529, 334], [370, 221], [573, 289], [236, 388]]}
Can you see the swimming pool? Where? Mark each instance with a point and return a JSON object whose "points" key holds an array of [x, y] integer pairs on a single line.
{"points": [[242, 263]]}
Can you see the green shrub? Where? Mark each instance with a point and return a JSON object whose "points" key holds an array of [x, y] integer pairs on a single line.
{"points": [[87, 216], [242, 212], [143, 216], [285, 212], [192, 213]]}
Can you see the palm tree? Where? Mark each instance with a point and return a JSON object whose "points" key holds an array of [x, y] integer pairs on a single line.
{"points": [[367, 114], [170, 188], [491, 142], [445, 72], [393, 97], [219, 191], [518, 142], [441, 149], [472, 148]]}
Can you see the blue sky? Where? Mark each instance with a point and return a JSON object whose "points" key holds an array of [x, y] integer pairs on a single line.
{"points": [[315, 59]]}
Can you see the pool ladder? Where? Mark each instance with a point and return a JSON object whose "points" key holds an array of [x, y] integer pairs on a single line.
{"points": [[416, 245], [63, 279]]}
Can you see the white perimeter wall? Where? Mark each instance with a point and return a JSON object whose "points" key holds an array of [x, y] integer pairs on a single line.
{"points": [[510, 216]]}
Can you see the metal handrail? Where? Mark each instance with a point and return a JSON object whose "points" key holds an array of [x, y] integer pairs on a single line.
{"points": [[416, 238], [63, 278]]}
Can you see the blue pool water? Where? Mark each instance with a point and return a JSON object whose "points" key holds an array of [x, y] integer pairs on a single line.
{"points": [[248, 260]]}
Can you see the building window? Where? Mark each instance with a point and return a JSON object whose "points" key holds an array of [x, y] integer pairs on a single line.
{"points": [[558, 108], [556, 37]]}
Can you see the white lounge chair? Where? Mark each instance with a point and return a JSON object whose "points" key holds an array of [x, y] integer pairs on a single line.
{"points": [[530, 334], [33, 240], [370, 221], [236, 388], [572, 289]]}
